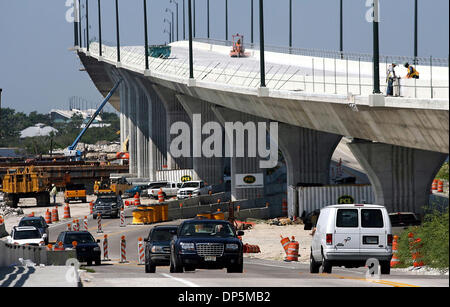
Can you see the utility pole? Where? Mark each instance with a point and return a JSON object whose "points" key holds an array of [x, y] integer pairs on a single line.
{"points": [[290, 23], [415, 31], [376, 49], [100, 28], [341, 29], [191, 56]]}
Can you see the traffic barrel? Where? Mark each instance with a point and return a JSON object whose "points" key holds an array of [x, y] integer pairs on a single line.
{"points": [[59, 247], [48, 217], [69, 227], [123, 252], [67, 211], [91, 207], [434, 186], [292, 251], [105, 248], [31, 214], [141, 253], [122, 218], [55, 215], [137, 199], [99, 223], [160, 196], [285, 242], [416, 254], [395, 260], [50, 247], [440, 188], [284, 208]]}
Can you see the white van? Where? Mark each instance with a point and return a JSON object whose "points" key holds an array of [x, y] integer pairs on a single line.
{"points": [[349, 235]]}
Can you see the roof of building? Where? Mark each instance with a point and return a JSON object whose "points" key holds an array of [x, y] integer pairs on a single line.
{"points": [[37, 130]]}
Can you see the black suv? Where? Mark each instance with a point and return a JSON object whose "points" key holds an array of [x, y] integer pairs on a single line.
{"points": [[157, 247], [87, 248], [207, 244], [107, 205]]}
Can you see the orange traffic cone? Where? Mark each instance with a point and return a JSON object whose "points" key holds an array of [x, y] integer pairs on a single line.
{"points": [[395, 260]]}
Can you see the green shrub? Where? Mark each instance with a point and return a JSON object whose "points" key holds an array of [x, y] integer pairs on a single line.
{"points": [[434, 233], [443, 172]]}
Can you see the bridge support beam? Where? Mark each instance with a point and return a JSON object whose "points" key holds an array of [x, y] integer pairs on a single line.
{"points": [[241, 165], [308, 156], [209, 169], [401, 177]]}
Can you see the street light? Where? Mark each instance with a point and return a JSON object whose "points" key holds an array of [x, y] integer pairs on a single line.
{"points": [[376, 49], [80, 16], [170, 27], [226, 20], [261, 44], [184, 21], [207, 18], [290, 24], [100, 28], [194, 18], [146, 34], [178, 21], [76, 21], [191, 52], [415, 31], [87, 25], [172, 23], [251, 21], [341, 29], [117, 31]]}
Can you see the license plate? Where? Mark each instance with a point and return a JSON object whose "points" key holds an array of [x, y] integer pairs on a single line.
{"points": [[210, 258], [370, 240]]}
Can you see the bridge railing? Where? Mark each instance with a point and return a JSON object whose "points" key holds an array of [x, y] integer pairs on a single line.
{"points": [[309, 74]]}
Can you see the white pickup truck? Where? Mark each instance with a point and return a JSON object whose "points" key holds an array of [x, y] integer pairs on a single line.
{"points": [[170, 189], [193, 188]]}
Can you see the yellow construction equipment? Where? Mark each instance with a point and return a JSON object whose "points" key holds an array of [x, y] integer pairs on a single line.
{"points": [[115, 186], [26, 182]]}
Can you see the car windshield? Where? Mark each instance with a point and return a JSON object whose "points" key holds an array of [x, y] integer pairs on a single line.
{"points": [[107, 199], [207, 229], [27, 234], [397, 219], [160, 235], [34, 223], [157, 185], [79, 237], [191, 185]]}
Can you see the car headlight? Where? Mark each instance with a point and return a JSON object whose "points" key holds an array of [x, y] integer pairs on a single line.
{"points": [[96, 249], [232, 247], [157, 249], [187, 246]]}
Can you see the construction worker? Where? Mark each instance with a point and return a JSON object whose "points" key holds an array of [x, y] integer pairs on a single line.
{"points": [[390, 77], [53, 193], [412, 72]]}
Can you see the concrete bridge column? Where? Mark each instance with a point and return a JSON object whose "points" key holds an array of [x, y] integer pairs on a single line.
{"points": [[154, 117], [174, 113], [240, 165], [308, 156], [209, 169], [142, 137], [401, 177]]}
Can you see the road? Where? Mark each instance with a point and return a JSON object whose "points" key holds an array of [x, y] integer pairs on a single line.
{"points": [[257, 273]]}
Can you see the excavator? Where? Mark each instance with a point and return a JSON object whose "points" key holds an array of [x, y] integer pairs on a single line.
{"points": [[238, 50]]}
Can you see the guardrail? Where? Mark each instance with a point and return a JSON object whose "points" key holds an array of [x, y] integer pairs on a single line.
{"points": [[300, 71]]}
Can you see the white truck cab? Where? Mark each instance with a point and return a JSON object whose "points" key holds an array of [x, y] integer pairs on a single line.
{"points": [[349, 235], [193, 188]]}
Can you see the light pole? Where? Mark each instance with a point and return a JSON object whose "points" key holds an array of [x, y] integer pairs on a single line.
{"points": [[80, 23], [178, 21], [191, 55], [184, 21], [376, 49], [207, 18], [76, 21], [341, 29], [100, 28], [261, 43], [170, 27], [146, 35], [226, 20], [168, 32], [87, 25], [172, 23], [117, 31], [251, 21], [194, 19], [415, 31], [290, 24]]}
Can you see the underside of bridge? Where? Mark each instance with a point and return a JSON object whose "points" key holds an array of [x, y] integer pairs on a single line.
{"points": [[150, 113]]}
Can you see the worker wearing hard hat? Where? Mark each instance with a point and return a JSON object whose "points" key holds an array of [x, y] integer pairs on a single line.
{"points": [[412, 72]]}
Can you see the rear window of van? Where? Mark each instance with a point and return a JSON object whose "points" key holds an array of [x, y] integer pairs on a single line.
{"points": [[371, 218], [347, 218]]}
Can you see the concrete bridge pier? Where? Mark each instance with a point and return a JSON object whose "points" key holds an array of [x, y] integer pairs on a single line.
{"points": [[308, 156], [401, 177], [209, 169], [241, 165]]}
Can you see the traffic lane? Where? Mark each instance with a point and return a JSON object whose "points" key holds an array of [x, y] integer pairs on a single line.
{"points": [[257, 273]]}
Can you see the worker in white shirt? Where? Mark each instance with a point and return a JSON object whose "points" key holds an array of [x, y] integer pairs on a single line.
{"points": [[390, 77]]}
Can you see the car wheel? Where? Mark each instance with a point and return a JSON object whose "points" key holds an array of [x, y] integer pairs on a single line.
{"points": [[174, 266], [98, 262], [385, 267], [150, 268], [314, 267], [326, 266]]}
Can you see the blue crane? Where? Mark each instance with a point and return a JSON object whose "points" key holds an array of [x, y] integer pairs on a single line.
{"points": [[70, 151]]}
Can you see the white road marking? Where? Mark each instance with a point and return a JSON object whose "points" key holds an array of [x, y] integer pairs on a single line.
{"points": [[183, 281]]}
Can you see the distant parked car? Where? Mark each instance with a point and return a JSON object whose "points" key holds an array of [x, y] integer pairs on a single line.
{"points": [[206, 244], [155, 185], [136, 189], [26, 235], [402, 220], [169, 190], [87, 248], [157, 247], [39, 223], [193, 188]]}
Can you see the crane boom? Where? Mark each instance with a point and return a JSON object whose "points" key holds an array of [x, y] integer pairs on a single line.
{"points": [[72, 147]]}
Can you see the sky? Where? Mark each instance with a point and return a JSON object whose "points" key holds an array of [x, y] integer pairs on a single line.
{"points": [[38, 72]]}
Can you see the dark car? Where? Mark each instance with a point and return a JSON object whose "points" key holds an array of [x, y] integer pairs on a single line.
{"points": [[136, 189], [107, 205], [402, 220], [157, 247], [206, 244], [38, 222], [87, 248]]}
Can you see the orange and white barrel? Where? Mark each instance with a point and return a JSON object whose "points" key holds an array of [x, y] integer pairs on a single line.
{"points": [[69, 227], [85, 223], [91, 207], [440, 187], [160, 196], [141, 253], [99, 223], [122, 218], [284, 242], [48, 217], [395, 260], [137, 199], [55, 215], [292, 251], [284, 208], [434, 186], [105, 248], [67, 211]]}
